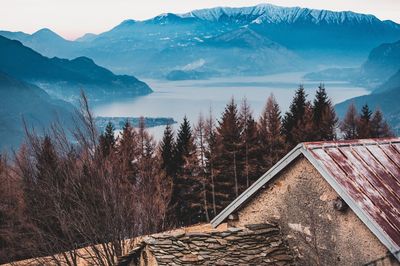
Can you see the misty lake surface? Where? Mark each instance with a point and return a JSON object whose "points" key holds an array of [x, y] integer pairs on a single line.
{"points": [[191, 97]]}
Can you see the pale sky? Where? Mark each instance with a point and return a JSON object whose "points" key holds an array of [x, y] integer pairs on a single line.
{"points": [[73, 18]]}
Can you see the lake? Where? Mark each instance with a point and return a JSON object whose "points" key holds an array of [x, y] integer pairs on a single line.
{"points": [[179, 98]]}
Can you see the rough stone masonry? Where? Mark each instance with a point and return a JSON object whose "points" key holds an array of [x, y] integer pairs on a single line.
{"points": [[257, 244]]}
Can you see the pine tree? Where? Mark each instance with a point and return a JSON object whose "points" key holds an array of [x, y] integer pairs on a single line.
{"points": [[43, 185], [187, 192], [107, 140], [293, 118], [184, 145], [167, 148], [145, 153], [350, 123], [128, 152], [249, 146], [228, 157], [304, 129], [364, 123], [379, 127], [271, 141], [47, 159], [324, 116]]}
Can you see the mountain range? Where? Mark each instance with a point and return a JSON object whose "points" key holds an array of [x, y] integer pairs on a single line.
{"points": [[228, 41], [65, 78], [20, 103]]}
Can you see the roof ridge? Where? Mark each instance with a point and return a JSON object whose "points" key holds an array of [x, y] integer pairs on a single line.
{"points": [[349, 143]]}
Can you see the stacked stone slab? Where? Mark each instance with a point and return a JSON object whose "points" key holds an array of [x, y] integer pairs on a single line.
{"points": [[258, 244]]}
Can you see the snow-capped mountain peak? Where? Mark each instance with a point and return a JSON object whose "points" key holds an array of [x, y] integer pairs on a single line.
{"points": [[267, 13]]}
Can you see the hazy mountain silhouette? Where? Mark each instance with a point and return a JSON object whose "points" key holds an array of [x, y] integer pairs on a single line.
{"points": [[65, 78], [385, 97], [23, 101]]}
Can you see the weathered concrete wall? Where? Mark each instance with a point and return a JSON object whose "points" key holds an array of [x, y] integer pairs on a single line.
{"points": [[301, 201]]}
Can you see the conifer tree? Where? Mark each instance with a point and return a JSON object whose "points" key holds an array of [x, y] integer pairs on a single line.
{"points": [[271, 141], [324, 116], [167, 148], [350, 123], [364, 123], [127, 152], [145, 153], [184, 145], [304, 129], [379, 127], [107, 140], [249, 146], [187, 192], [293, 119], [41, 186], [228, 156], [109, 134]]}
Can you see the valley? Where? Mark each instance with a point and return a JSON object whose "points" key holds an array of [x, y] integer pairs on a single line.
{"points": [[177, 99], [190, 63]]}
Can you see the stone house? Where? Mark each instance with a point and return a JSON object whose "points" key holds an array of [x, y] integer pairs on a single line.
{"points": [[337, 203]]}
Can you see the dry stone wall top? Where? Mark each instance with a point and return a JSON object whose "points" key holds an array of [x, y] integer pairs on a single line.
{"points": [[257, 244]]}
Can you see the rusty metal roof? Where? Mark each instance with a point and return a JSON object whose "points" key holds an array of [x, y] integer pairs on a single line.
{"points": [[365, 173]]}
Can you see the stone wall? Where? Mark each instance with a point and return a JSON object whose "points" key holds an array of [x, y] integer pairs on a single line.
{"points": [[259, 244], [301, 202]]}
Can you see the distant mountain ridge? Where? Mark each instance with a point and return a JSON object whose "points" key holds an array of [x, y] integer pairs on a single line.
{"points": [[268, 13], [65, 78], [21, 101], [382, 63], [45, 41], [302, 38], [385, 97]]}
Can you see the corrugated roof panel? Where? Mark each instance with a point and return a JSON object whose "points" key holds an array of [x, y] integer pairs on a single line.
{"points": [[386, 162], [369, 172], [382, 172], [392, 152]]}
